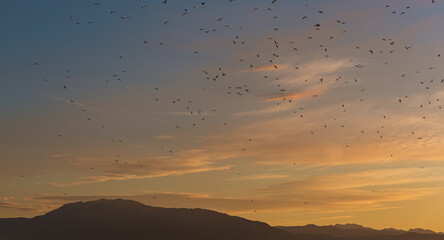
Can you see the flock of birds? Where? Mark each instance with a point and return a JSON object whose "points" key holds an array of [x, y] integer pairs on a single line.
{"points": [[260, 58]]}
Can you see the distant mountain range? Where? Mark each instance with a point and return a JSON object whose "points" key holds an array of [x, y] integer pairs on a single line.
{"points": [[130, 220], [355, 232]]}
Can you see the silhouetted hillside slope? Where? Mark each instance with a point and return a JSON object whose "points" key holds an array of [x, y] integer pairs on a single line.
{"points": [[130, 220]]}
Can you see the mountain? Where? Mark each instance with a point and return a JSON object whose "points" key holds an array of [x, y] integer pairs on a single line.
{"points": [[424, 231], [358, 232], [130, 220], [347, 230]]}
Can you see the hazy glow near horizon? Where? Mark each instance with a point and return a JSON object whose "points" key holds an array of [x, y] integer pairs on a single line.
{"points": [[292, 112]]}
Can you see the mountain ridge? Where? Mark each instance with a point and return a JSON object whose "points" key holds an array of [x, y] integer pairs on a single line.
{"points": [[126, 219], [353, 230]]}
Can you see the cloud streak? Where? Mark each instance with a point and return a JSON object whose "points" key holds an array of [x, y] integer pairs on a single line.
{"points": [[268, 68], [72, 102], [18, 206]]}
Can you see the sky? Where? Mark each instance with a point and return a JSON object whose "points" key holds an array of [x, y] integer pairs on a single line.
{"points": [[291, 112]]}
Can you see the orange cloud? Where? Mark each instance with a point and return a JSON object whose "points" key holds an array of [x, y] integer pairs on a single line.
{"points": [[359, 180], [258, 177], [126, 176]]}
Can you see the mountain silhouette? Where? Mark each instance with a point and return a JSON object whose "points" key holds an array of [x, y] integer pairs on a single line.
{"points": [[358, 232], [130, 220]]}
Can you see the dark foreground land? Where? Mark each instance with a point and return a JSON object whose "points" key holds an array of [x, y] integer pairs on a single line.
{"points": [[130, 220]]}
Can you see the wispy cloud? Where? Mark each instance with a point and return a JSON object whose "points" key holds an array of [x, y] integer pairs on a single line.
{"points": [[72, 102], [191, 113], [358, 180], [298, 95], [258, 177], [128, 176], [311, 72], [310, 79], [17, 206], [164, 137], [269, 110], [268, 68], [173, 164]]}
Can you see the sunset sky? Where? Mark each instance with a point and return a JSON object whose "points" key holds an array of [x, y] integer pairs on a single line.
{"points": [[291, 113]]}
